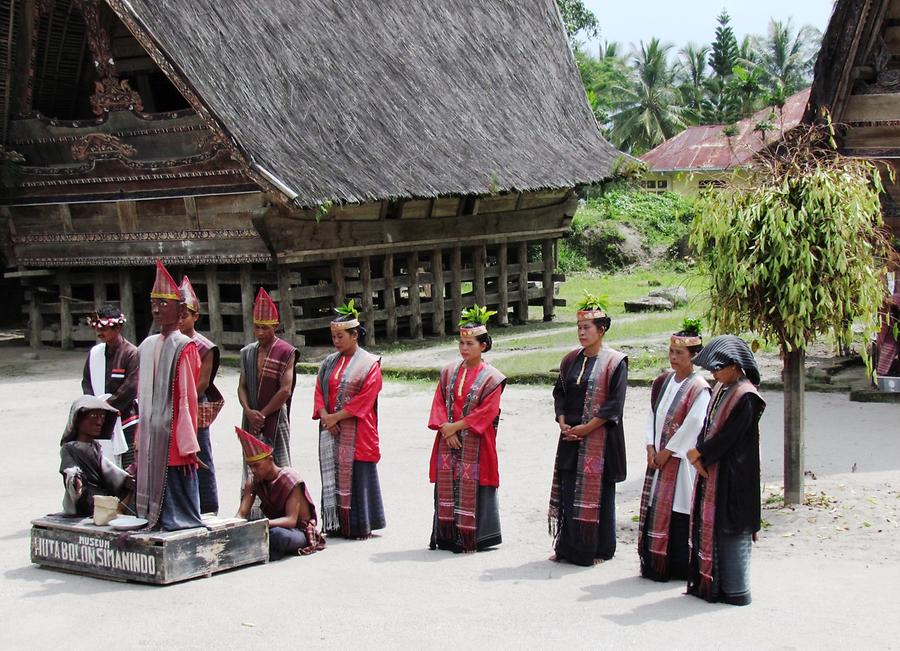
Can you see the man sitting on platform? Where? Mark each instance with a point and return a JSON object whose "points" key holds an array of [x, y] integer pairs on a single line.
{"points": [[86, 472], [284, 500]]}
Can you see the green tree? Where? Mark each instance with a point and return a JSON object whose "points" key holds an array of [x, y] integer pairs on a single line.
{"points": [[721, 105], [691, 79], [577, 19], [649, 109], [787, 56], [600, 77], [795, 250]]}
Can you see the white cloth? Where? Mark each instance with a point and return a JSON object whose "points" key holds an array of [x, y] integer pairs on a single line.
{"points": [[684, 439], [116, 445]]}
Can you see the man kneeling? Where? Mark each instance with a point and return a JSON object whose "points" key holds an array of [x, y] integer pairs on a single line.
{"points": [[86, 472], [283, 499]]}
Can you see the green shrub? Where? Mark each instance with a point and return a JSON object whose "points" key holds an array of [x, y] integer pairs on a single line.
{"points": [[571, 259]]}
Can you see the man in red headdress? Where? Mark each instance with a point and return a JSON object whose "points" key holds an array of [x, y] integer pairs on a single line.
{"points": [[210, 400], [284, 500], [267, 381], [166, 445]]}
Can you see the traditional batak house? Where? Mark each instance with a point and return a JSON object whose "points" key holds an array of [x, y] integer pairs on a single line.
{"points": [[702, 156], [857, 79], [421, 156]]}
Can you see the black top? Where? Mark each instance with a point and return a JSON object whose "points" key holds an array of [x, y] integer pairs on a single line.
{"points": [[736, 449], [568, 400]]}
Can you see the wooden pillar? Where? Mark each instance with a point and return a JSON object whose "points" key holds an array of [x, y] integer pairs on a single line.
{"points": [[368, 306], [456, 284], [286, 304], [65, 311], [126, 304], [503, 286], [390, 300], [479, 260], [415, 302], [337, 278], [438, 325], [522, 308], [247, 301], [213, 304], [99, 289], [35, 318], [794, 386], [549, 266]]}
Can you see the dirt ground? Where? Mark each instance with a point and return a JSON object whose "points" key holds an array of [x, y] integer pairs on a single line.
{"points": [[824, 576]]}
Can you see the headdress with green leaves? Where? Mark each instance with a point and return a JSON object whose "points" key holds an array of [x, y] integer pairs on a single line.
{"points": [[348, 316], [591, 306], [689, 335], [473, 322]]}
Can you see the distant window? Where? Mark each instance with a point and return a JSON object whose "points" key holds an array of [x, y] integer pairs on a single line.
{"points": [[710, 183], [654, 187], [662, 185]]}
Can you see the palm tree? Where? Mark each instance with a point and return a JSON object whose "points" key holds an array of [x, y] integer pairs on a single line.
{"points": [[649, 108], [692, 75], [787, 57]]}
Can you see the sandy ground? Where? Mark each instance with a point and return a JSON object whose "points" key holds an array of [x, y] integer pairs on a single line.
{"points": [[822, 577]]}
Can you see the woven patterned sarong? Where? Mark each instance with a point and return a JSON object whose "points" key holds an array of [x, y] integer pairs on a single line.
{"points": [[589, 471], [337, 452], [656, 501], [458, 470], [703, 513]]}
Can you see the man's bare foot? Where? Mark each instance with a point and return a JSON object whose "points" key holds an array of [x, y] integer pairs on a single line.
{"points": [[599, 561], [554, 558]]}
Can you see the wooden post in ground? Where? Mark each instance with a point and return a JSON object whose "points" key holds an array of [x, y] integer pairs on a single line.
{"points": [[65, 311], [213, 304], [390, 300], [35, 318], [247, 302], [415, 302], [340, 284], [438, 325], [522, 307], [549, 266], [368, 307], [503, 286], [456, 284], [286, 304], [479, 260], [794, 386], [126, 304], [99, 289]]}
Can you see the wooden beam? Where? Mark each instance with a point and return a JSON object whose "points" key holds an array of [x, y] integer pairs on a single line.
{"points": [[522, 308], [35, 318], [479, 260], [549, 266], [503, 285], [872, 108], [247, 302], [126, 304], [286, 304], [65, 311], [438, 324], [213, 304], [456, 284], [337, 279], [390, 301], [415, 303], [99, 289], [368, 306]]}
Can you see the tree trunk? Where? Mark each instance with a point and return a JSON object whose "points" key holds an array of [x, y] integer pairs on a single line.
{"points": [[794, 387]]}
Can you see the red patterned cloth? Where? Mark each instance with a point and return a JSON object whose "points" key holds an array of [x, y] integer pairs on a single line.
{"points": [[265, 312], [164, 286]]}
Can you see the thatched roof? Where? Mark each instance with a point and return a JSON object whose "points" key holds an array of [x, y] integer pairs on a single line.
{"points": [[707, 148], [355, 100]]}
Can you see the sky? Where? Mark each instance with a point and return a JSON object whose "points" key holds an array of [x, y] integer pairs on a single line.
{"points": [[680, 21]]}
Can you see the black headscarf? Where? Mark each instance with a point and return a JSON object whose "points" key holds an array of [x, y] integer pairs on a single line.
{"points": [[87, 403], [726, 350]]}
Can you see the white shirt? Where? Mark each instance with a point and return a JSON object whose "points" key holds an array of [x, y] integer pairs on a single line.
{"points": [[684, 438]]}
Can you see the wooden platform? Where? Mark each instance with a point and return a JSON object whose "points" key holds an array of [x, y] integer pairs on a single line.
{"points": [[159, 557]]}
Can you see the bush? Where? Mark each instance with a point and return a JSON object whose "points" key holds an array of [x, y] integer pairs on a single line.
{"points": [[571, 259]]}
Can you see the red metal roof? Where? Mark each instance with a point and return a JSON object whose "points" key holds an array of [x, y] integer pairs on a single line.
{"points": [[705, 147]]}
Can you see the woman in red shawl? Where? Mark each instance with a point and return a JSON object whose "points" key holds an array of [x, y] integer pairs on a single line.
{"points": [[465, 412]]}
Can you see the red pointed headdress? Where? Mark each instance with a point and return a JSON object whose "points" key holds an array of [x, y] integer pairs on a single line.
{"points": [[264, 310], [164, 286], [189, 296], [254, 449]]}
